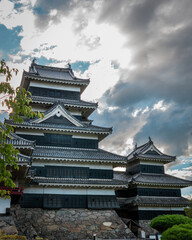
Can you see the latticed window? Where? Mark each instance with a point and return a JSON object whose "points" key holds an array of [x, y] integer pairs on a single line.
{"points": [[54, 93], [67, 172]]}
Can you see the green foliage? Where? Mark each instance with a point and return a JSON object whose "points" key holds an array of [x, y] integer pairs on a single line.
{"points": [[188, 210], [3, 236], [163, 222], [13, 237], [178, 232], [17, 103]]}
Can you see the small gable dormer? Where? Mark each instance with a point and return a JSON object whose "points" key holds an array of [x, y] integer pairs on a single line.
{"points": [[59, 115], [147, 158]]}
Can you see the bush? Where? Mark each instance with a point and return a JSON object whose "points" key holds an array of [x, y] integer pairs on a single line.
{"points": [[178, 232], [188, 210], [163, 222]]}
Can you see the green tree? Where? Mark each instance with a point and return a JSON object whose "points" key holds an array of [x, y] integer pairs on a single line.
{"points": [[163, 222], [16, 102], [188, 210], [178, 232]]}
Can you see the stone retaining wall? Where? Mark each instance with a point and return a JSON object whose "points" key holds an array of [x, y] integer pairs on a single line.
{"points": [[145, 224], [7, 225], [69, 224]]}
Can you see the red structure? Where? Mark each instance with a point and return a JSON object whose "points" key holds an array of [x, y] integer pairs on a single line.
{"points": [[13, 191]]}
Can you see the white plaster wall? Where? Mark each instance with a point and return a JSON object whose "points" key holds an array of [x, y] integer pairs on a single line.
{"points": [[75, 113], [151, 163], [39, 133], [161, 187], [71, 191], [162, 208], [40, 109], [4, 203], [92, 166], [54, 86], [83, 136], [24, 131]]}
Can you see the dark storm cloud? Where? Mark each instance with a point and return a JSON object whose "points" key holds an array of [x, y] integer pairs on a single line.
{"points": [[159, 34], [170, 129], [134, 18]]}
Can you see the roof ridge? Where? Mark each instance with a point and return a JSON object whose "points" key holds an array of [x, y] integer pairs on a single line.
{"points": [[177, 178], [111, 153], [55, 105]]}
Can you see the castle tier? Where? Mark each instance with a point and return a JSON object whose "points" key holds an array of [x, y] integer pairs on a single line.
{"points": [[68, 170], [150, 191]]}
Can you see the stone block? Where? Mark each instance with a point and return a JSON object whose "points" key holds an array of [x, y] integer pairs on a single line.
{"points": [[107, 224], [52, 228], [10, 230]]}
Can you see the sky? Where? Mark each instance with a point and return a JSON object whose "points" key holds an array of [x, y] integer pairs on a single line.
{"points": [[137, 54]]}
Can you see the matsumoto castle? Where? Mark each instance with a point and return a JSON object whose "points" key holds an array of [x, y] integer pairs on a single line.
{"points": [[62, 166]]}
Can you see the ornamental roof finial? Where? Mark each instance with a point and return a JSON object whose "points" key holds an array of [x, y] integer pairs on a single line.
{"points": [[150, 140], [69, 65], [33, 67], [135, 146], [33, 61]]}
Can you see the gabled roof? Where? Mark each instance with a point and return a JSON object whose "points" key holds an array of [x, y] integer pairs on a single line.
{"points": [[150, 179], [159, 179], [86, 128], [154, 201], [52, 74], [58, 110], [89, 107], [149, 151], [77, 154]]}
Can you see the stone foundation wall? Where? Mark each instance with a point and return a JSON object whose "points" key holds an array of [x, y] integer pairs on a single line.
{"points": [[69, 224], [7, 225], [145, 224]]}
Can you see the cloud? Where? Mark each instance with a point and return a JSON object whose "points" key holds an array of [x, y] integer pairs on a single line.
{"points": [[49, 12], [158, 72], [139, 61], [180, 173]]}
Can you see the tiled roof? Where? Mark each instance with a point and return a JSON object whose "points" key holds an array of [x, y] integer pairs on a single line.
{"points": [[53, 72], [148, 151], [123, 176], [153, 179], [154, 201], [65, 102], [40, 72], [155, 157], [23, 159], [59, 107], [63, 74], [59, 127], [19, 142], [160, 179], [76, 153], [80, 182]]}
